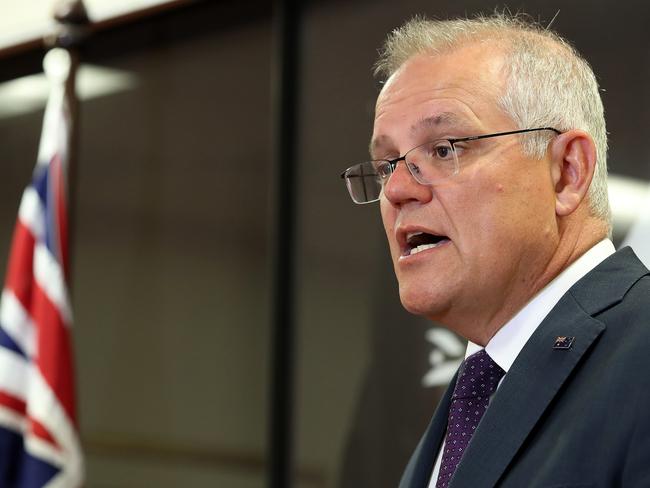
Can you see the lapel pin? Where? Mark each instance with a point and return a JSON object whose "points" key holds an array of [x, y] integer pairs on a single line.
{"points": [[563, 342]]}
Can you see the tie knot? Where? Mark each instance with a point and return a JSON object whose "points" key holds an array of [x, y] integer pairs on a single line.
{"points": [[478, 377]]}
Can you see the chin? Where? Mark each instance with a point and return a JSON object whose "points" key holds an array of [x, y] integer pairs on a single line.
{"points": [[419, 303]]}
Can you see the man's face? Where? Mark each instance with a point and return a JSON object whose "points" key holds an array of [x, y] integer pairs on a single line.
{"points": [[494, 222]]}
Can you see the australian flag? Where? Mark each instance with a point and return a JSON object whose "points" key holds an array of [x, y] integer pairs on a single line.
{"points": [[39, 441]]}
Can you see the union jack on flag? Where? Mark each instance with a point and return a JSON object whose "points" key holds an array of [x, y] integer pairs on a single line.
{"points": [[39, 442]]}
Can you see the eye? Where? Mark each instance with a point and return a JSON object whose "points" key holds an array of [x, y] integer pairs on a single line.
{"points": [[443, 152], [440, 150], [383, 169]]}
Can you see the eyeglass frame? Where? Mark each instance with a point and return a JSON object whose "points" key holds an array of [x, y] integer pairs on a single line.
{"points": [[392, 163]]}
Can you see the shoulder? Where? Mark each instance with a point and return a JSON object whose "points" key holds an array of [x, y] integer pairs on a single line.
{"points": [[619, 282], [617, 294]]}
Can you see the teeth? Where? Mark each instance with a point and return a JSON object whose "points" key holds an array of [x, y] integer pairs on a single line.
{"points": [[413, 234], [424, 247]]}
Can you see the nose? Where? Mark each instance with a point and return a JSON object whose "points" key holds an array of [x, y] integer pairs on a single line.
{"points": [[402, 187]]}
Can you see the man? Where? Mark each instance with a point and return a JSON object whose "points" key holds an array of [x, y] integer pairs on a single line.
{"points": [[489, 164]]}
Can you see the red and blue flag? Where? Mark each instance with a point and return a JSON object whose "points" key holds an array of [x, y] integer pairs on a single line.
{"points": [[39, 441]]}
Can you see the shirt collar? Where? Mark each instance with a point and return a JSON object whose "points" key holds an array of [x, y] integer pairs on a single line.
{"points": [[510, 339]]}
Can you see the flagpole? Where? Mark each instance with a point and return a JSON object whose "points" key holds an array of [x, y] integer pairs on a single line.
{"points": [[285, 167], [72, 27]]}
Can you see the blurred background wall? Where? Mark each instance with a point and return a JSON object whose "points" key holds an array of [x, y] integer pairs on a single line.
{"points": [[174, 222]]}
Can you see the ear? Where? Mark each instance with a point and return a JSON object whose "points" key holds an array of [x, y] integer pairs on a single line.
{"points": [[573, 163]]}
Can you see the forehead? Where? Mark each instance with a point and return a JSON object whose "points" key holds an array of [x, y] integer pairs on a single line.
{"points": [[453, 91]]}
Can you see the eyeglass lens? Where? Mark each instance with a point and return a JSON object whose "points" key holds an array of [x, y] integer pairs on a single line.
{"points": [[427, 163]]}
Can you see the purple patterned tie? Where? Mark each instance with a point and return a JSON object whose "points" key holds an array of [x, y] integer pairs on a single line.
{"points": [[478, 379]]}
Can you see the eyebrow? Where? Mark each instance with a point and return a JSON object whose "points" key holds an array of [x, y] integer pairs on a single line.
{"points": [[443, 119]]}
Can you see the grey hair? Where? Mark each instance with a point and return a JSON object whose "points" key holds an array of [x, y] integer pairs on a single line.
{"points": [[548, 83]]}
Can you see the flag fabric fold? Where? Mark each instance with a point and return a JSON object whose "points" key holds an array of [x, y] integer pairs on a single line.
{"points": [[39, 441]]}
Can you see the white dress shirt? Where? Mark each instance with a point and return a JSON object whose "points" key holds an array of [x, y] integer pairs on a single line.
{"points": [[510, 339]]}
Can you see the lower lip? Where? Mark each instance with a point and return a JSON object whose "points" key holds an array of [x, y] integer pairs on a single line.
{"points": [[423, 254]]}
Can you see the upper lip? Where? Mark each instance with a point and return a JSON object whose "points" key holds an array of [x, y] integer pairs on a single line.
{"points": [[403, 233]]}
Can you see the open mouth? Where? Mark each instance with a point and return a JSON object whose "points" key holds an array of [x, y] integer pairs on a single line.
{"points": [[421, 241]]}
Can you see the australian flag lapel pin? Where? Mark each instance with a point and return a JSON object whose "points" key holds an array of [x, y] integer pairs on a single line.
{"points": [[563, 342]]}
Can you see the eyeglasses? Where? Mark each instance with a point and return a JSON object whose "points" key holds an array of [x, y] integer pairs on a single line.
{"points": [[428, 163]]}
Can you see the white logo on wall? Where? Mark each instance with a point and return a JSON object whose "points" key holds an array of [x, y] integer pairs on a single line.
{"points": [[444, 359], [639, 235]]}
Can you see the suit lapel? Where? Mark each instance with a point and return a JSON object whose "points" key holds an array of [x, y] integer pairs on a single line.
{"points": [[540, 370], [418, 471], [528, 388]]}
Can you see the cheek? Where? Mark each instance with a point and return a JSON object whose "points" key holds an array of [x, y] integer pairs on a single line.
{"points": [[490, 216], [514, 214], [388, 217]]}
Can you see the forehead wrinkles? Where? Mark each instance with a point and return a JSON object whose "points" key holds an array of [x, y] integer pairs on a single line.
{"points": [[441, 120], [427, 113], [474, 93]]}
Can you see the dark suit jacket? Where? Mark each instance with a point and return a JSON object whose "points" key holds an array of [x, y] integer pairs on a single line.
{"points": [[570, 418]]}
